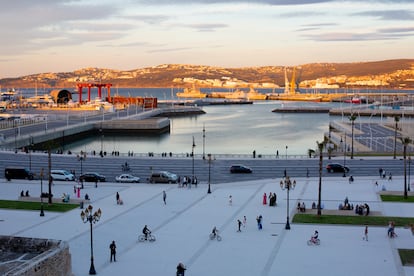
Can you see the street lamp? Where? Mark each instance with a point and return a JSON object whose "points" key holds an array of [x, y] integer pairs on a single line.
{"points": [[209, 173], [42, 213], [409, 171], [192, 155], [81, 157], [344, 175], [88, 216], [102, 136], [329, 144], [287, 184], [286, 151], [204, 142], [30, 152]]}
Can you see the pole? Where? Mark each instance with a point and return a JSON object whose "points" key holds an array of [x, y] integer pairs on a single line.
{"points": [[204, 141], [209, 170], [42, 213], [92, 268], [287, 227], [344, 156], [192, 155], [409, 171]]}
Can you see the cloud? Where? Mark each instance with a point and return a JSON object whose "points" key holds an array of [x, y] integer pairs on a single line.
{"points": [[349, 36], [388, 14], [149, 19], [207, 27]]}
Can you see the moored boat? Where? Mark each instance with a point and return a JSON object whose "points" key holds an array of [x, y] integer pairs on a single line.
{"points": [[191, 93]]}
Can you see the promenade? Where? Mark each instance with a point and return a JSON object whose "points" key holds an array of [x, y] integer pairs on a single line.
{"points": [[183, 224]]}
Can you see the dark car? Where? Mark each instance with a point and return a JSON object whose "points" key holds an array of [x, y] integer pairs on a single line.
{"points": [[240, 169], [92, 177], [334, 167], [18, 173]]}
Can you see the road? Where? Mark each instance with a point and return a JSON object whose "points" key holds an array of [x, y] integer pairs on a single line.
{"points": [[219, 168]]}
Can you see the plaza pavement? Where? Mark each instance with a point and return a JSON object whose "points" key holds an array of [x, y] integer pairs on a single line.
{"points": [[182, 227]]}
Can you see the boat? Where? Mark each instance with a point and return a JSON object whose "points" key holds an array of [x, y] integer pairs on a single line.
{"points": [[254, 95], [236, 95], [191, 93]]}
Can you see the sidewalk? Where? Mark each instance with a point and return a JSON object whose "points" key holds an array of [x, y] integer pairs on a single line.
{"points": [[182, 227]]}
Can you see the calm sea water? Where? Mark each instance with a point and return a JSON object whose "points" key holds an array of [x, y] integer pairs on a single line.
{"points": [[229, 129]]}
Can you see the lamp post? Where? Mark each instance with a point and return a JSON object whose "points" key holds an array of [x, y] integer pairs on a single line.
{"points": [[81, 157], [30, 152], [329, 144], [287, 184], [102, 136], [42, 213], [344, 175], [192, 155], [204, 142], [286, 151], [409, 171], [87, 215], [209, 173]]}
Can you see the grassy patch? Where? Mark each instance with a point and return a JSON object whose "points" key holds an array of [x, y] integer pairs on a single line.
{"points": [[407, 256], [351, 220], [24, 205], [397, 198]]}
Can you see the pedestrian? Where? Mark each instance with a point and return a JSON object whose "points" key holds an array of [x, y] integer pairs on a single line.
{"points": [[389, 177], [112, 247], [380, 172], [239, 224], [230, 200], [244, 221], [259, 222], [164, 197], [117, 198], [180, 269], [264, 199], [366, 233]]}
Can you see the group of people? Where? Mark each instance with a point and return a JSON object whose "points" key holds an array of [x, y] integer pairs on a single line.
{"points": [[391, 231], [23, 194], [240, 223], [185, 180], [346, 205], [361, 209], [272, 199], [383, 174], [301, 207]]}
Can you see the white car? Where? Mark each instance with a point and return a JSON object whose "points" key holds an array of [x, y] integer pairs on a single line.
{"points": [[62, 175], [127, 178]]}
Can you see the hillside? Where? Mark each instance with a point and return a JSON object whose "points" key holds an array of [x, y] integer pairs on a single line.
{"points": [[381, 74]]}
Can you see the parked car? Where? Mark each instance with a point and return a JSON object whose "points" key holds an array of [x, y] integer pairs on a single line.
{"points": [[240, 169], [92, 177], [163, 177], [127, 178], [335, 167], [62, 175], [18, 173]]}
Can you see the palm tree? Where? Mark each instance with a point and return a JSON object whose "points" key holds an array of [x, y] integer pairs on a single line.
{"points": [[320, 147], [405, 141], [352, 118], [396, 120]]}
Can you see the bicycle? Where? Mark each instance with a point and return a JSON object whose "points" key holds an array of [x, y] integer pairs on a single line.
{"points": [[150, 238], [216, 236], [314, 242]]}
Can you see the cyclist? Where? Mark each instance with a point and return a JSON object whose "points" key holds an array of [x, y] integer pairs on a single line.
{"points": [[214, 231], [314, 236], [146, 231]]}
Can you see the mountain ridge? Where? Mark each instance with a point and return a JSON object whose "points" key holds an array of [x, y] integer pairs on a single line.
{"points": [[396, 73]]}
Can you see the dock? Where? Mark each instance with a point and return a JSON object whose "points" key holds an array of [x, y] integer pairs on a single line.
{"points": [[296, 109]]}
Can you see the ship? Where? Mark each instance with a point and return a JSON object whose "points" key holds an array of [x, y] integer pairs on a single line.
{"points": [[191, 93]]}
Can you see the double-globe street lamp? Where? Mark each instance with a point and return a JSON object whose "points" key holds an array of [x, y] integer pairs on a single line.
{"points": [[81, 157], [87, 215], [287, 184]]}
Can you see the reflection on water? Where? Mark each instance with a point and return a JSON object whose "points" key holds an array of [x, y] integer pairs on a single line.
{"points": [[232, 129]]}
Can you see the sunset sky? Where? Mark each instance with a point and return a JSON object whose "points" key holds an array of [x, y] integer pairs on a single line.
{"points": [[64, 35]]}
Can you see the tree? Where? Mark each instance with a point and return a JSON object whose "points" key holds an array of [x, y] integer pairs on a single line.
{"points": [[352, 118], [405, 141], [320, 147], [396, 120]]}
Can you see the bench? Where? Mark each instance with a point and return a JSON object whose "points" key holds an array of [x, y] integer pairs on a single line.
{"points": [[56, 200]]}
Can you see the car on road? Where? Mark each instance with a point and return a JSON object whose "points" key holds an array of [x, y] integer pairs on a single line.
{"points": [[18, 173], [335, 167], [163, 177], [92, 177], [238, 168], [62, 175], [127, 178]]}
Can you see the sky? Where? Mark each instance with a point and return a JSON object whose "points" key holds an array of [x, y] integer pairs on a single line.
{"points": [[183, 224], [65, 35]]}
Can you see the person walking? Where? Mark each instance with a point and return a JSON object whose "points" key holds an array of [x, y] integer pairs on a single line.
{"points": [[244, 221], [112, 248], [164, 197], [239, 223], [117, 198], [365, 233], [264, 199], [230, 200], [180, 269]]}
